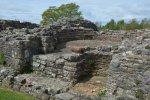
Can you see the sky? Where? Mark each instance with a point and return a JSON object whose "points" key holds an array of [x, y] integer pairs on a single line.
{"points": [[94, 10]]}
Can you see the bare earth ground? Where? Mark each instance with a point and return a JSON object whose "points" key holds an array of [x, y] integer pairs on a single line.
{"points": [[91, 87]]}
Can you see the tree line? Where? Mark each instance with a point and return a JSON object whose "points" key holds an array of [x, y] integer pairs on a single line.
{"points": [[123, 25]]}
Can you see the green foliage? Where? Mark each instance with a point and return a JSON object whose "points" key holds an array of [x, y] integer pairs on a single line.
{"points": [[131, 25], [52, 14], [91, 62], [111, 25], [2, 59], [121, 24], [102, 93], [7, 94], [137, 82], [139, 94]]}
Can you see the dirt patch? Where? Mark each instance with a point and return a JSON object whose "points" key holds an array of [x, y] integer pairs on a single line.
{"points": [[91, 87]]}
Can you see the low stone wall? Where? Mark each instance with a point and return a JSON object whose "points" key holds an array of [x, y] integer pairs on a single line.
{"points": [[119, 36]]}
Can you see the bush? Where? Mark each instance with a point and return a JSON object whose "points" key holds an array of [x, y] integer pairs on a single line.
{"points": [[139, 94], [102, 93], [137, 82], [2, 59], [91, 62]]}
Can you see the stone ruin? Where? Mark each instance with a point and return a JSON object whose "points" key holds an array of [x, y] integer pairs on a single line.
{"points": [[72, 60]]}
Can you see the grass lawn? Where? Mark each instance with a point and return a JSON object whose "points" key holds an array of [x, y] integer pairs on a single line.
{"points": [[7, 94]]}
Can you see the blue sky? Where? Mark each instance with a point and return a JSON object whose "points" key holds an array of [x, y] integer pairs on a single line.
{"points": [[94, 10]]}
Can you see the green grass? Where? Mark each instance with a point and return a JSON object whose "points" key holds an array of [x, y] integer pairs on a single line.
{"points": [[102, 94], [137, 82], [7, 94], [139, 94], [91, 62]]}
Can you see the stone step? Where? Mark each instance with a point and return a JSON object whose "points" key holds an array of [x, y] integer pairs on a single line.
{"points": [[58, 65], [43, 88]]}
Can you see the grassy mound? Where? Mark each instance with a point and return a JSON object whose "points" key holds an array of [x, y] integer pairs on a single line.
{"points": [[7, 94]]}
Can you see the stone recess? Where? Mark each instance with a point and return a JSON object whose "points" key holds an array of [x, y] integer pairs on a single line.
{"points": [[47, 61]]}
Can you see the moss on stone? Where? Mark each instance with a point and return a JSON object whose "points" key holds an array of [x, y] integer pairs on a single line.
{"points": [[2, 59], [137, 82]]}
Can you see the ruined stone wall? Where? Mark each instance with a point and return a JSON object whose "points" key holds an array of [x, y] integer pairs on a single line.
{"points": [[128, 73], [75, 34], [74, 29], [129, 76], [19, 44], [18, 53], [15, 24], [64, 66], [119, 35], [72, 67]]}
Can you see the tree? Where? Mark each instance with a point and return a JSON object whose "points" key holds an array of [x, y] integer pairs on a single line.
{"points": [[111, 25], [52, 14], [121, 24], [133, 24], [145, 23]]}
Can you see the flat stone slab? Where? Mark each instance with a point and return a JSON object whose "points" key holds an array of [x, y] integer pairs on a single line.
{"points": [[37, 85], [91, 43], [64, 96], [55, 56]]}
